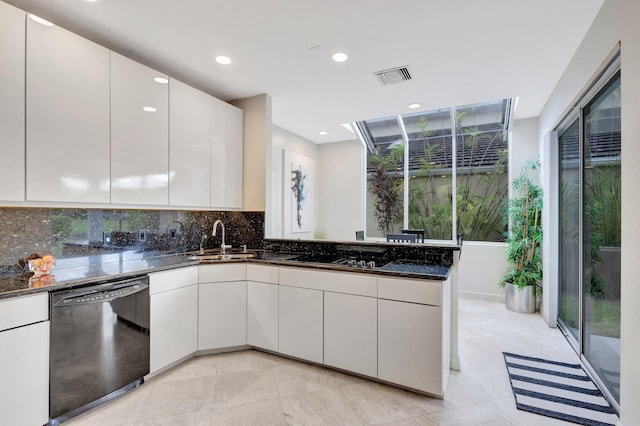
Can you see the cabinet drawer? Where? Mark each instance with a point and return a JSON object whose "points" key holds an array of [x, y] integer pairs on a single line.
{"points": [[263, 274], [337, 282], [223, 272], [24, 310], [171, 280], [425, 292]]}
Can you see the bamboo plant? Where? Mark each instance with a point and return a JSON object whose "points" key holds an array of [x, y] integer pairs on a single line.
{"points": [[525, 231]]}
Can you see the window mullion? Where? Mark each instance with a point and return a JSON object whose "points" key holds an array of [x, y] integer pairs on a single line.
{"points": [[454, 173], [405, 207]]}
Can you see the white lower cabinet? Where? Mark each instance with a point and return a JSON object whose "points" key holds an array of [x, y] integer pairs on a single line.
{"points": [[174, 316], [350, 333], [410, 345], [24, 373], [393, 329], [222, 306], [24, 360], [262, 306], [222, 315], [300, 323], [262, 315]]}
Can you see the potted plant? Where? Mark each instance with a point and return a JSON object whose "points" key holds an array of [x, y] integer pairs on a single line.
{"points": [[522, 281]]}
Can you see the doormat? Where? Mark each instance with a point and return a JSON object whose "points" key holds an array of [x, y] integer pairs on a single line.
{"points": [[558, 390]]}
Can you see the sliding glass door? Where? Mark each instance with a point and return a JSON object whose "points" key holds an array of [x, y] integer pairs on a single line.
{"points": [[601, 279], [570, 211], [590, 217]]}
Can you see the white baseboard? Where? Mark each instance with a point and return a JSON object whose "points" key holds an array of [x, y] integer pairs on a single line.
{"points": [[487, 297]]}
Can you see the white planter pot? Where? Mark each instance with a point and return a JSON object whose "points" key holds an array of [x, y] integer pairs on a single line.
{"points": [[520, 300]]}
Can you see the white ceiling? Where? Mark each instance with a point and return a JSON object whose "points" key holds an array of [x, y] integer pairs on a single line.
{"points": [[458, 51]]}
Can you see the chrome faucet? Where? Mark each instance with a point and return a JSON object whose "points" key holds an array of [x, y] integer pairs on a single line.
{"points": [[223, 247], [204, 237]]}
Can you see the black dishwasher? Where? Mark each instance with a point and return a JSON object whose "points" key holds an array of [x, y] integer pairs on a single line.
{"points": [[99, 344]]}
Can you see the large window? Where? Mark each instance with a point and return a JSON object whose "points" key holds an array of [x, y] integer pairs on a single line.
{"points": [[412, 176]]}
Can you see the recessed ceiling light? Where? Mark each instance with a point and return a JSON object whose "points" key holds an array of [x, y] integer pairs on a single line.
{"points": [[413, 106], [39, 20], [149, 109], [324, 133], [160, 80], [339, 57], [224, 60]]}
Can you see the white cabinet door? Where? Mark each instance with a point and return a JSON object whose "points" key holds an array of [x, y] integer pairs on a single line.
{"points": [[300, 323], [410, 345], [139, 134], [67, 117], [189, 146], [222, 315], [226, 156], [351, 333], [24, 374], [19, 311], [262, 315], [174, 325], [12, 103]]}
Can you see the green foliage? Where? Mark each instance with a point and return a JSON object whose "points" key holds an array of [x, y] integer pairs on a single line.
{"points": [[386, 187], [602, 210], [481, 191], [525, 234], [481, 201], [61, 227]]}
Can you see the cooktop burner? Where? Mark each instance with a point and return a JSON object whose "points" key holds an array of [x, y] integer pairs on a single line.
{"points": [[355, 263]]}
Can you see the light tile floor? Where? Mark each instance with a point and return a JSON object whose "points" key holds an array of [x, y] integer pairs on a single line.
{"points": [[255, 388]]}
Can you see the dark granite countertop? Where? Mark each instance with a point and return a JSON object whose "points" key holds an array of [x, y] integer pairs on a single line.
{"points": [[77, 271]]}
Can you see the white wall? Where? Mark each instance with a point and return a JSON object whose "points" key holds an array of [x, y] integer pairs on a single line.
{"points": [[616, 21], [256, 136], [340, 178], [523, 145], [281, 140], [477, 255], [488, 258]]}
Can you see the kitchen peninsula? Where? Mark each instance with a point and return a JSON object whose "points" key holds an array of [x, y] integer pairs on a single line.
{"points": [[388, 323]]}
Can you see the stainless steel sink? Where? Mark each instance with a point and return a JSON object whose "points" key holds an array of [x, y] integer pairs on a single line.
{"points": [[221, 256]]}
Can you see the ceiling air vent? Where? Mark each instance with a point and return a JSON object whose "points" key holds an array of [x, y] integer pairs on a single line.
{"points": [[393, 75]]}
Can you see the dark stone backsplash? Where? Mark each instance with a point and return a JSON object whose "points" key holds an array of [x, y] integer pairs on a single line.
{"points": [[379, 253], [80, 232]]}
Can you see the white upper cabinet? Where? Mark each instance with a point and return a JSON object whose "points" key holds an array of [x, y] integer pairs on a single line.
{"points": [[11, 103], [189, 146], [226, 156], [205, 150], [67, 117], [139, 134]]}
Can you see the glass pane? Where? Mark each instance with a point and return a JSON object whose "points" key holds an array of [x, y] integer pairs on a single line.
{"points": [[602, 217], [430, 166], [569, 309], [482, 172], [482, 184], [385, 178]]}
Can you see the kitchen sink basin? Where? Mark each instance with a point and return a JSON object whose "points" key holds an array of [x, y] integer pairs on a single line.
{"points": [[221, 256]]}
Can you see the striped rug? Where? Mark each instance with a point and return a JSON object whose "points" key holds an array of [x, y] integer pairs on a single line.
{"points": [[557, 389]]}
